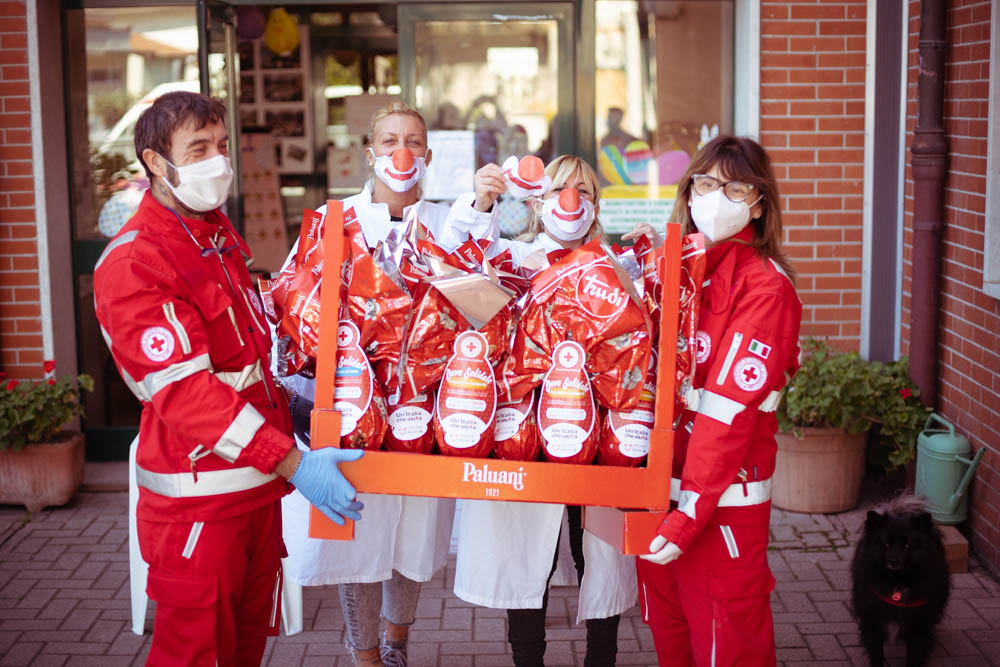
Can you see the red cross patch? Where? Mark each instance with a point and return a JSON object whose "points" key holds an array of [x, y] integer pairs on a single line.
{"points": [[157, 343], [750, 373], [704, 342]]}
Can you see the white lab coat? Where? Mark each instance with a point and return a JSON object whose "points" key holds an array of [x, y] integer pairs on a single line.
{"points": [[505, 549], [505, 552], [404, 533]]}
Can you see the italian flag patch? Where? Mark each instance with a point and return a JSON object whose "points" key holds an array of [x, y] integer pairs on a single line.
{"points": [[758, 348]]}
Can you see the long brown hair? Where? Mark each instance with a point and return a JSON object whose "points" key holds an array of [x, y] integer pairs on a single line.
{"points": [[739, 159], [561, 170]]}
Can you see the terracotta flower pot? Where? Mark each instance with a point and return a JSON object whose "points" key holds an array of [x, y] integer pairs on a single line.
{"points": [[42, 475], [821, 472]]}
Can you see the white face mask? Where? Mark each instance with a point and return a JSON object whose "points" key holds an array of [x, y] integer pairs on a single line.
{"points": [[401, 170], [202, 186], [717, 217], [564, 224], [525, 177]]}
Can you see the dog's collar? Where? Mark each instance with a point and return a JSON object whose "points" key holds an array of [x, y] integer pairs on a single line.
{"points": [[896, 599]]}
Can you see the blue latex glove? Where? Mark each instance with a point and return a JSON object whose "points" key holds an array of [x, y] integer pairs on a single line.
{"points": [[319, 479]]}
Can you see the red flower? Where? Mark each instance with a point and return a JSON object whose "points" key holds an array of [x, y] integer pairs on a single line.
{"points": [[905, 392], [12, 384], [51, 381], [50, 366]]}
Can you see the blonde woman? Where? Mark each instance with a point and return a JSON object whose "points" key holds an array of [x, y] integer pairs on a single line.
{"points": [[403, 540], [560, 220], [508, 552]]}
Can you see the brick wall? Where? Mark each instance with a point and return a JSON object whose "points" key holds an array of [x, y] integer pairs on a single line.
{"points": [[20, 311], [969, 342], [812, 122]]}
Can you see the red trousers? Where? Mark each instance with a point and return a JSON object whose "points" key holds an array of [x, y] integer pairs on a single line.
{"points": [[217, 587], [712, 606]]}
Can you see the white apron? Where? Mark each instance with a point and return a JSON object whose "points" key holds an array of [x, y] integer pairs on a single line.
{"points": [[505, 552], [408, 534]]}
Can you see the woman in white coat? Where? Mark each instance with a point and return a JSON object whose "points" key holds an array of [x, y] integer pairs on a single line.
{"points": [[402, 541], [508, 551]]}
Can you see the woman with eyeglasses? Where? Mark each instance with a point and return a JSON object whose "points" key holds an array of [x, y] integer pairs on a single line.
{"points": [[705, 585]]}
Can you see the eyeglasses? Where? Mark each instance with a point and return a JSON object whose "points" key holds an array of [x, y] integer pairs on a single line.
{"points": [[735, 191]]}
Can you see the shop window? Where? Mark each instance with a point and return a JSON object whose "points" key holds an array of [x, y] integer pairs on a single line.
{"points": [[122, 60], [664, 85]]}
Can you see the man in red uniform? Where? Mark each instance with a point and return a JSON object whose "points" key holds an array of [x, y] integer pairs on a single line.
{"points": [[705, 587], [179, 312]]}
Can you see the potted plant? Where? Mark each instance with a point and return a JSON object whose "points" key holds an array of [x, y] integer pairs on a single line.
{"points": [[827, 412], [41, 463]]}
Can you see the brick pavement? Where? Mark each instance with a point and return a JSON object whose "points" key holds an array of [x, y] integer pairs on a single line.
{"points": [[64, 600]]}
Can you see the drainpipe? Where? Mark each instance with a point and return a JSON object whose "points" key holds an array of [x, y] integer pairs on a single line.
{"points": [[929, 157]]}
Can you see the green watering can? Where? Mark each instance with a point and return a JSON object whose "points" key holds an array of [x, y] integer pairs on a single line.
{"points": [[944, 471]]}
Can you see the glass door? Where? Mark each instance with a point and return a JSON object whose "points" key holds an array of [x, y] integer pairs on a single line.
{"points": [[491, 81]]}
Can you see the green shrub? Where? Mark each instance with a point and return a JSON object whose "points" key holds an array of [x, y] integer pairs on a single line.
{"points": [[844, 391]]}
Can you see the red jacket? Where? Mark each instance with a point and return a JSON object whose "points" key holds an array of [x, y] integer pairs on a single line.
{"points": [[724, 449], [191, 342]]}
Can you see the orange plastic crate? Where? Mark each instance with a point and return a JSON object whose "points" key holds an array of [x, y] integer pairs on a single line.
{"points": [[494, 479]]}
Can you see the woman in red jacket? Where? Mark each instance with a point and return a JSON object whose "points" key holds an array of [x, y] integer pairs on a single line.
{"points": [[705, 587]]}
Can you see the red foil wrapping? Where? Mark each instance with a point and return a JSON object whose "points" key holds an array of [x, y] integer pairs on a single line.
{"points": [[437, 321], [517, 437], [465, 415], [625, 433], [295, 294], [410, 428], [652, 293], [585, 297], [692, 275], [356, 395], [376, 304], [430, 340], [567, 416]]}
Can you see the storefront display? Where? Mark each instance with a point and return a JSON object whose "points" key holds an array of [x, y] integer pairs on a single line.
{"points": [[275, 93]]}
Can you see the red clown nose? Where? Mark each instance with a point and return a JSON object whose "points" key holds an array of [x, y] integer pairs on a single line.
{"points": [[531, 168], [569, 199], [402, 159]]}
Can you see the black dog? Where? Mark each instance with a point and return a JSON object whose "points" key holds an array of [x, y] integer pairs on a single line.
{"points": [[900, 575]]}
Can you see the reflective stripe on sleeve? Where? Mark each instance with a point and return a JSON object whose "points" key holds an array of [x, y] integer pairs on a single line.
{"points": [[686, 502], [719, 408], [127, 237], [240, 380], [756, 493], [157, 380], [770, 404], [210, 483], [734, 347], [695, 397], [239, 434], [133, 386], [171, 315]]}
